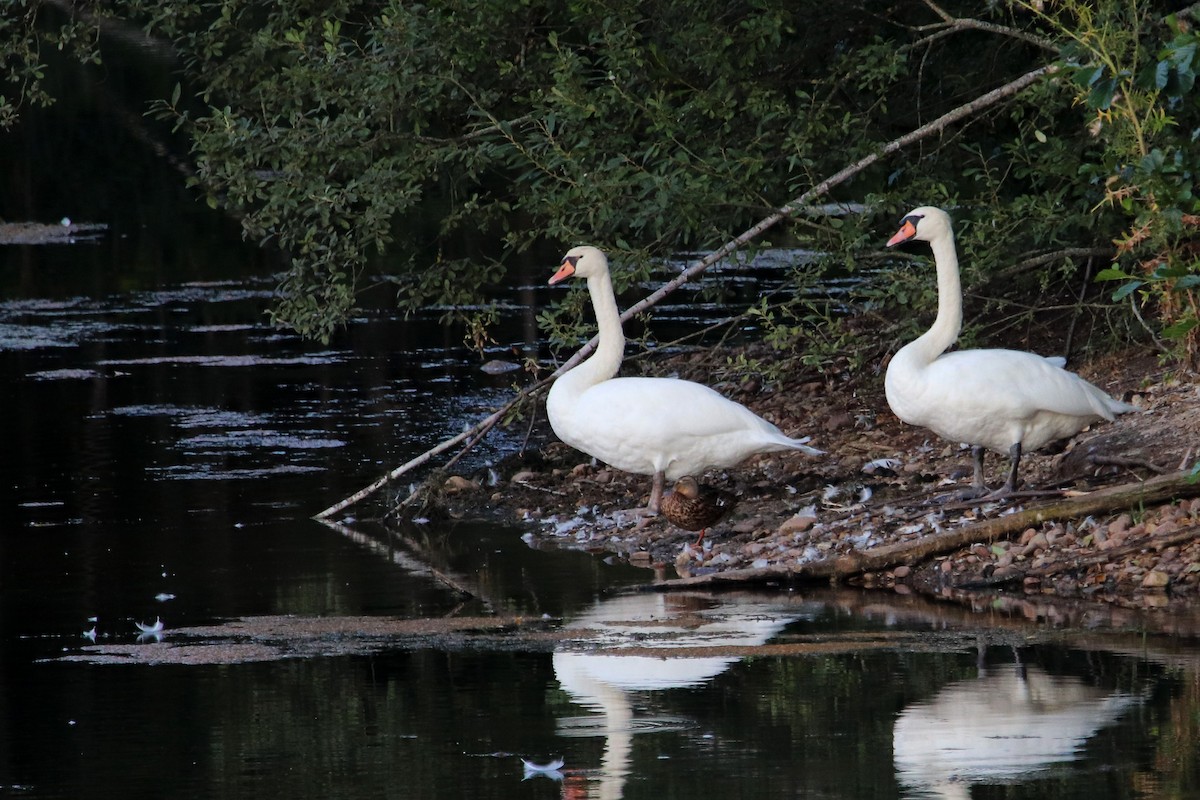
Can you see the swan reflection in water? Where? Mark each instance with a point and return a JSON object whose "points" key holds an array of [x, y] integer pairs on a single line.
{"points": [[606, 681], [1003, 727]]}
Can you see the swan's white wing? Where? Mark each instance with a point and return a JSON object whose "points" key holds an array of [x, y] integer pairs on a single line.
{"points": [[1016, 384]]}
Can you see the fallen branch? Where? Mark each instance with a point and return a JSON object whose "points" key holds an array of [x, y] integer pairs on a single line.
{"points": [[796, 206], [876, 559], [1153, 542], [1112, 498]]}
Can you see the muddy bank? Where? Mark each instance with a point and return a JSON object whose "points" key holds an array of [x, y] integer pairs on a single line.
{"points": [[884, 484]]}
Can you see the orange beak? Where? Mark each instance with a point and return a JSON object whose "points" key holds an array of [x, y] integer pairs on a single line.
{"points": [[906, 232], [565, 271]]}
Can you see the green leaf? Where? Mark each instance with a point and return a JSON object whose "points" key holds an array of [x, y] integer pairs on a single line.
{"points": [[1102, 93], [1126, 290], [1180, 329], [1113, 274]]}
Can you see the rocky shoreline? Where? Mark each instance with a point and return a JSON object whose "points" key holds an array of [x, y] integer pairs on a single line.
{"points": [[884, 484]]}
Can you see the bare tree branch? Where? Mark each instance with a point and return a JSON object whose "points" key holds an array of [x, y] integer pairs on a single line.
{"points": [[797, 206]]}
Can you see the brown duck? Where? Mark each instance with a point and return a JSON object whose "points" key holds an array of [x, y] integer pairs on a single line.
{"points": [[695, 507]]}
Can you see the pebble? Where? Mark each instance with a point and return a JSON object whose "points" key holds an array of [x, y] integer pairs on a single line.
{"points": [[1156, 580], [838, 421], [457, 483], [797, 524]]}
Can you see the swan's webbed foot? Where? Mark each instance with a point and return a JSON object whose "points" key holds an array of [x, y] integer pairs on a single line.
{"points": [[975, 493], [979, 490]]}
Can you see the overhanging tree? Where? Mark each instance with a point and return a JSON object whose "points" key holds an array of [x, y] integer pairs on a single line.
{"points": [[437, 133]]}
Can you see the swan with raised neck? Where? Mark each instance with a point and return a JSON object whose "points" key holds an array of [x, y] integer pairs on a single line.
{"points": [[1009, 401], [663, 427]]}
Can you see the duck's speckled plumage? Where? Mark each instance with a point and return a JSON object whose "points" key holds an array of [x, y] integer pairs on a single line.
{"points": [[694, 506]]}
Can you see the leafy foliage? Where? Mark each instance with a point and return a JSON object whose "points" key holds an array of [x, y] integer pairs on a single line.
{"points": [[409, 140], [23, 35], [1134, 72]]}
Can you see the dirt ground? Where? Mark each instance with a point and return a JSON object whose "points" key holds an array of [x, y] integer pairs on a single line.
{"points": [[885, 483]]}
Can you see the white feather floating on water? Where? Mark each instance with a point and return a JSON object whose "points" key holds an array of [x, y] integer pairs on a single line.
{"points": [[157, 627], [548, 770]]}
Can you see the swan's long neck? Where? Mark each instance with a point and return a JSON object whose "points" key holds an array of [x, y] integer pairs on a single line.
{"points": [[946, 327], [605, 362]]}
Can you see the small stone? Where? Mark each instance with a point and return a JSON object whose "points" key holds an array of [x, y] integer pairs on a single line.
{"points": [[901, 572], [604, 476], [797, 524], [1028, 535], [457, 483], [524, 475], [1156, 579], [1038, 542], [947, 566], [839, 421], [748, 525], [580, 469], [1004, 573], [1119, 524], [639, 557]]}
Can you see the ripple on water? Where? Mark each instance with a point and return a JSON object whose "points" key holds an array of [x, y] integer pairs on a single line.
{"points": [[70, 375], [219, 472], [310, 359], [194, 417], [246, 439]]}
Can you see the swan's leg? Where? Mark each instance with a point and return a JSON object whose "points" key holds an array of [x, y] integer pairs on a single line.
{"points": [[643, 515], [1014, 454], [656, 492], [977, 482], [978, 487], [1010, 485]]}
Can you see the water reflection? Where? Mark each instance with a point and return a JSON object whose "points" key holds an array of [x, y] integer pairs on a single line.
{"points": [[1006, 726], [608, 682]]}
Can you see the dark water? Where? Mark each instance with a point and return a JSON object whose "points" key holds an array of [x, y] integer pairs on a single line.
{"points": [[163, 452], [162, 440]]}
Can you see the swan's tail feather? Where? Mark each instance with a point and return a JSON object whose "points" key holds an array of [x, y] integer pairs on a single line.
{"points": [[799, 444], [1108, 407]]}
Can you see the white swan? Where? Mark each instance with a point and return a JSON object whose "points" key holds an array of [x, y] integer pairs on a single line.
{"points": [[663, 427], [1003, 400]]}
